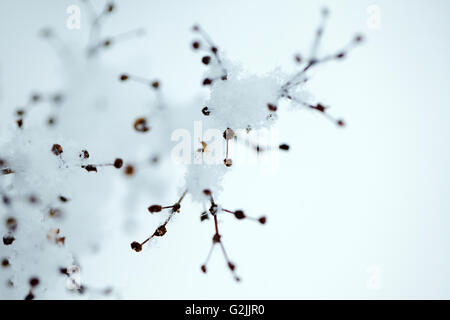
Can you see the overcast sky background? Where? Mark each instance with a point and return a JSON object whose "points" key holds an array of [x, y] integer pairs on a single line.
{"points": [[343, 202]]}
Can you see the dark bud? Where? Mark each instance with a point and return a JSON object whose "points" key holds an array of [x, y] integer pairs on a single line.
{"points": [[54, 213], [228, 162], [64, 271], [203, 267], [195, 27], [195, 45], [224, 77], [34, 282], [262, 220], [237, 279], [340, 123], [20, 112], [110, 7], [206, 60], [57, 149], [90, 168], [207, 82], [35, 98], [136, 246], [231, 266], [359, 38], [6, 200], [2, 162], [57, 98], [107, 43], [154, 208], [5, 263], [141, 125], [207, 192], [204, 216], [298, 58], [160, 231], [84, 154], [11, 224], [8, 240], [30, 296], [129, 170], [33, 199], [228, 134], [118, 163], [320, 107], [51, 121], [155, 84], [19, 123], [216, 238], [206, 111], [123, 77], [214, 50], [340, 55], [272, 107], [284, 147], [239, 214]]}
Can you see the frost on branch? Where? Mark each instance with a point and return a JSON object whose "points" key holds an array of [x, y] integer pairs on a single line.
{"points": [[239, 102]]}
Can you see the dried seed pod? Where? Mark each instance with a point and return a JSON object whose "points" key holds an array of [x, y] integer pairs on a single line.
{"points": [[207, 81], [155, 208], [11, 224], [136, 246], [160, 231], [8, 240], [228, 162], [206, 60], [262, 220], [57, 149], [129, 170], [228, 134], [141, 125], [34, 282], [118, 163], [84, 154], [272, 107], [206, 111], [90, 168], [239, 214], [123, 77], [196, 45]]}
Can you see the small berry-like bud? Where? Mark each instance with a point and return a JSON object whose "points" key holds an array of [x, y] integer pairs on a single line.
{"points": [[90, 168], [141, 125], [203, 267], [57, 149], [5, 263], [206, 60], [84, 154], [207, 82], [8, 240], [239, 214], [154, 208], [136, 246], [155, 84], [214, 50], [118, 163], [340, 123], [207, 192], [272, 107], [216, 238], [231, 266], [205, 111], [34, 282], [262, 220], [195, 45], [129, 170], [160, 231], [228, 134], [123, 77], [340, 55], [284, 147]]}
